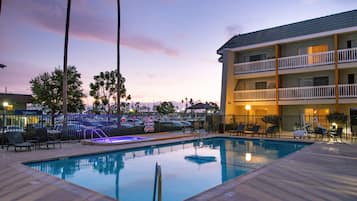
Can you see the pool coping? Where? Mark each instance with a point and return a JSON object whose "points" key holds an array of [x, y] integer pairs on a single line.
{"points": [[251, 174], [155, 141]]}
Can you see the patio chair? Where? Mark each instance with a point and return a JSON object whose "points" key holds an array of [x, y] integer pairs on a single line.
{"points": [[239, 130], [15, 139], [254, 130], [44, 138], [336, 133], [271, 130], [320, 131]]}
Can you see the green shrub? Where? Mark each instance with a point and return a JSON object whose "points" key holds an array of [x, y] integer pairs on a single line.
{"points": [[337, 117], [272, 119]]}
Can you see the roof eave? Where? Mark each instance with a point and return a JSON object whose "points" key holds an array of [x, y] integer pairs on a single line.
{"points": [[289, 40]]}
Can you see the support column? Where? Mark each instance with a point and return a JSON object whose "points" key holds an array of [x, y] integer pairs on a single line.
{"points": [[277, 81], [337, 76]]}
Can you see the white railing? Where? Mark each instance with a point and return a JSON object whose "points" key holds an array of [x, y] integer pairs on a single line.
{"points": [[298, 61], [347, 90], [259, 94], [298, 93], [255, 66], [347, 55], [301, 61], [313, 92]]}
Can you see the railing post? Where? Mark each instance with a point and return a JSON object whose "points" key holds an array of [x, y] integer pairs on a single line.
{"points": [[157, 183]]}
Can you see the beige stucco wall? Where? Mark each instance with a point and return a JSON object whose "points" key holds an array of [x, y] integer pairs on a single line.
{"points": [[228, 84], [344, 75], [243, 56], [344, 37], [292, 80], [292, 49], [249, 84]]}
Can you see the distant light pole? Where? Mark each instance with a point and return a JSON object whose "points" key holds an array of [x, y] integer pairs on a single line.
{"points": [[5, 105]]}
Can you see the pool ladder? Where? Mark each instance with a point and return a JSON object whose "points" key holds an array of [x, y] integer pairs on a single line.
{"points": [[94, 131], [157, 183]]}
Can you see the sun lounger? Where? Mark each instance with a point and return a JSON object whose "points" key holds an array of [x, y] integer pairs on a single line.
{"points": [[16, 140]]}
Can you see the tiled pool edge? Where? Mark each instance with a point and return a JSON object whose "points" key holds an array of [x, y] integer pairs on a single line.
{"points": [[78, 190], [222, 188]]}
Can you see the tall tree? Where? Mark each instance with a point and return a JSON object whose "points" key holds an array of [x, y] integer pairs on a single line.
{"points": [[165, 108], [118, 63], [104, 89], [1, 5], [47, 91], [65, 87]]}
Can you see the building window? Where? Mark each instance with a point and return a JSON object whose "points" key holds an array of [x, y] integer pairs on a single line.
{"points": [[349, 44], [260, 85], [257, 57], [319, 81], [313, 50], [351, 78]]}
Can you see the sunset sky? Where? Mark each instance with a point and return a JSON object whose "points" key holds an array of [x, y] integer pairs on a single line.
{"points": [[168, 47]]}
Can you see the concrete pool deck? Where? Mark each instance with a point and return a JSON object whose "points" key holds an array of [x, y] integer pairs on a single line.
{"points": [[318, 172]]}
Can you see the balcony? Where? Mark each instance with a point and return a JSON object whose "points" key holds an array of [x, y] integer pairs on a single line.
{"points": [[298, 93], [297, 62]]}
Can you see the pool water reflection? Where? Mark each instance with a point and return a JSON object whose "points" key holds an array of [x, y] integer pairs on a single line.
{"points": [[188, 168]]}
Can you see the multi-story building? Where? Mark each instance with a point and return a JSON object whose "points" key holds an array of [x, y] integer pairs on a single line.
{"points": [[308, 67]]}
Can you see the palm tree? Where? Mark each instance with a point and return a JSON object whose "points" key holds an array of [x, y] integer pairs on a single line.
{"points": [[118, 62], [0, 6], [65, 64]]}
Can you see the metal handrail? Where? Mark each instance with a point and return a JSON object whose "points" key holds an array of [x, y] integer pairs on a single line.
{"points": [[157, 183], [99, 132]]}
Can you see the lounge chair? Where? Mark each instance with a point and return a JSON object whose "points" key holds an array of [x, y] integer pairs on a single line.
{"points": [[15, 139], [254, 130], [239, 130], [336, 133], [271, 130], [44, 138], [320, 131]]}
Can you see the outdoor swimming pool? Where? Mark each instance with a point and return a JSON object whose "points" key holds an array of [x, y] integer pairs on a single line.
{"points": [[188, 167], [118, 139]]}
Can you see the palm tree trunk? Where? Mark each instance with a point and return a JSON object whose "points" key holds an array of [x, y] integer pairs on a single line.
{"points": [[65, 65], [118, 63], [0, 6]]}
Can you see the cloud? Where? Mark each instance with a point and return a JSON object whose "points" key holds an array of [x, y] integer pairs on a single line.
{"points": [[232, 30], [85, 24]]}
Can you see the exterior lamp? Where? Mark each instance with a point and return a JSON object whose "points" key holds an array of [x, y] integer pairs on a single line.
{"points": [[5, 104], [248, 157]]}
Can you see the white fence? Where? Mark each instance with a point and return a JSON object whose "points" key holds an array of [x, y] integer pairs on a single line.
{"points": [[297, 93], [299, 61]]}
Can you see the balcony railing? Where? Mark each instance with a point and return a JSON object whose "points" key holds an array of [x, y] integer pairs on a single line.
{"points": [[307, 60], [251, 95], [255, 66], [296, 62], [307, 92], [298, 93], [347, 55]]}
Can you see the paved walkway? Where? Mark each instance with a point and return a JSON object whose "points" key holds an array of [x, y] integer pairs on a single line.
{"points": [[319, 172]]}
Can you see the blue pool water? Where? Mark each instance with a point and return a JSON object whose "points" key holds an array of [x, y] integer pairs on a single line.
{"points": [[120, 139], [188, 168]]}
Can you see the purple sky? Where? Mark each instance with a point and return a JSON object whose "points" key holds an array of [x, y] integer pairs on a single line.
{"points": [[168, 47]]}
